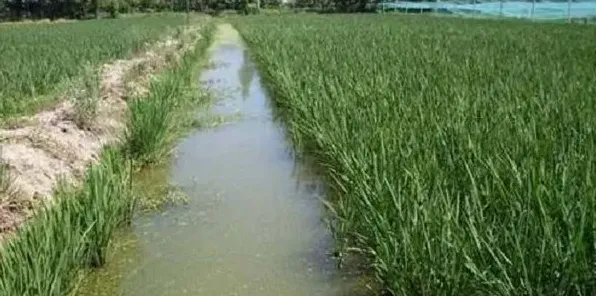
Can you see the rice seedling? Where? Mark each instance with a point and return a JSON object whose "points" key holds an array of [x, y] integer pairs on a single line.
{"points": [[107, 203], [46, 254], [37, 60], [156, 120], [149, 122], [460, 152]]}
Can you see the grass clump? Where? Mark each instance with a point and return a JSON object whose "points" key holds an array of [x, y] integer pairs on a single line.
{"points": [[108, 203], [46, 255], [149, 124], [460, 152], [158, 118], [86, 100]]}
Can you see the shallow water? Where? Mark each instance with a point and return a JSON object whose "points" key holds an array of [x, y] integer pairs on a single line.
{"points": [[253, 224]]}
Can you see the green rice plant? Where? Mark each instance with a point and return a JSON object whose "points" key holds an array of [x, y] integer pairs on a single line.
{"points": [[151, 119], [460, 152], [37, 61], [106, 202], [46, 254], [148, 129], [155, 120]]}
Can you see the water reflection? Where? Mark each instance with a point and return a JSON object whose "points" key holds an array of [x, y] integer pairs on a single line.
{"points": [[246, 74]]}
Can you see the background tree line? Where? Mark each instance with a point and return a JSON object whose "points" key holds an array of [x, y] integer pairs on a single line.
{"points": [[82, 9], [338, 5]]}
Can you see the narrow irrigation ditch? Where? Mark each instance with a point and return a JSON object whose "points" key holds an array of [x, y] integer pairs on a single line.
{"points": [[253, 220]]}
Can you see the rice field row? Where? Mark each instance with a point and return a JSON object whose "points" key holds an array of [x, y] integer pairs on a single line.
{"points": [[461, 153], [37, 59], [49, 254]]}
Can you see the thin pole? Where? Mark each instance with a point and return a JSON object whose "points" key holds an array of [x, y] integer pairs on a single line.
{"points": [[532, 11], [474, 5], [501, 8], [569, 11]]}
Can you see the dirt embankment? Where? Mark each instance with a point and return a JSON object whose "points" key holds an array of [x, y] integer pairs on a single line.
{"points": [[49, 146]]}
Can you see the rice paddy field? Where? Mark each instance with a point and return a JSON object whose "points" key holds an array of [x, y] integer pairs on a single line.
{"points": [[37, 59], [461, 154], [71, 234]]}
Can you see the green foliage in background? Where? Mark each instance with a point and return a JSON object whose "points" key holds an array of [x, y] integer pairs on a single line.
{"points": [[461, 153], [36, 58], [15, 10]]}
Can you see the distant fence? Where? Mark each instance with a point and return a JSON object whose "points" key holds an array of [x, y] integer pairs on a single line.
{"points": [[538, 10]]}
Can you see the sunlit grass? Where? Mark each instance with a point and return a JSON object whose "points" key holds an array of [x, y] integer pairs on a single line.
{"points": [[157, 119], [47, 253], [36, 60], [461, 153]]}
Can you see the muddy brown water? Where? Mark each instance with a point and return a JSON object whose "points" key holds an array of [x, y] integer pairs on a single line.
{"points": [[253, 223]]}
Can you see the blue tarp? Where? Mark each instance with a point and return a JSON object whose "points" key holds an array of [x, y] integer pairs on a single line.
{"points": [[519, 9]]}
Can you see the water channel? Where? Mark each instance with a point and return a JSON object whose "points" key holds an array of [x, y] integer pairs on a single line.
{"points": [[253, 223]]}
